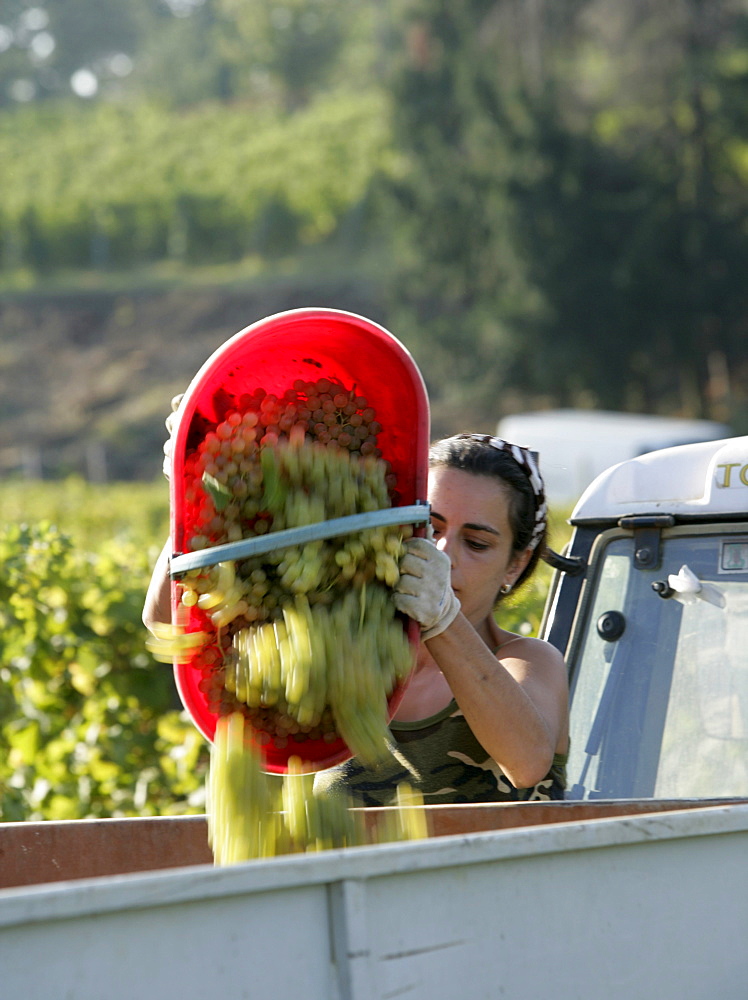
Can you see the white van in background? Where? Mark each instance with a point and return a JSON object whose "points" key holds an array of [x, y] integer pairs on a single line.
{"points": [[575, 446]]}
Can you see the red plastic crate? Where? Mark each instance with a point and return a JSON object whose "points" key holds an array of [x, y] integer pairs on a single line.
{"points": [[303, 344]]}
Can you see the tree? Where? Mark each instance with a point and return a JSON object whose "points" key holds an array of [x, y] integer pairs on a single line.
{"points": [[651, 188], [464, 86], [574, 202], [288, 50], [43, 47]]}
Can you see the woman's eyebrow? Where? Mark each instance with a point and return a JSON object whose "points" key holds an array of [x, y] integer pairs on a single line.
{"points": [[482, 527], [469, 525]]}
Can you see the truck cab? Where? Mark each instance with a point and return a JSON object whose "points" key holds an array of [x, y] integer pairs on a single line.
{"points": [[649, 605]]}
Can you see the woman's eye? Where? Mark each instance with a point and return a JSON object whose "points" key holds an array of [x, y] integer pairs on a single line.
{"points": [[475, 545]]}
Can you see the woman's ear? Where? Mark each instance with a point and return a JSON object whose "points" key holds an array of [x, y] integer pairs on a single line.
{"points": [[516, 567]]}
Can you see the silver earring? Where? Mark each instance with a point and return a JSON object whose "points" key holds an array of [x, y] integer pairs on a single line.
{"points": [[505, 588]]}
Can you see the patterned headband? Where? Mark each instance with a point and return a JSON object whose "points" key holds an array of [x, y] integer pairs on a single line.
{"points": [[527, 461]]}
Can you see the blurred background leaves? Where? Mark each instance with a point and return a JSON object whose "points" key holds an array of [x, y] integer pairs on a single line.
{"points": [[547, 201]]}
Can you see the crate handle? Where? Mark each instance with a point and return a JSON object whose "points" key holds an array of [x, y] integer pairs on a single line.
{"points": [[418, 513]]}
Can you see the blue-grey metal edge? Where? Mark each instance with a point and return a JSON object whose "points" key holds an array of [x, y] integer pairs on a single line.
{"points": [[417, 513]]}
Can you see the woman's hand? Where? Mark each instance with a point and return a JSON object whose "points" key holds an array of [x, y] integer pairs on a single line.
{"points": [[424, 590], [157, 606], [171, 426]]}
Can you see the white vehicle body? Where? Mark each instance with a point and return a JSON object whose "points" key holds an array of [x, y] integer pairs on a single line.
{"points": [[575, 446], [654, 626]]}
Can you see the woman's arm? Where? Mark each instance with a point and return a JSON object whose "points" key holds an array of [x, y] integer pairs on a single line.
{"points": [[157, 607], [516, 705]]}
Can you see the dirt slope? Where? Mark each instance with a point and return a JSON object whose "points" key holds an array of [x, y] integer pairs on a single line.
{"points": [[86, 379]]}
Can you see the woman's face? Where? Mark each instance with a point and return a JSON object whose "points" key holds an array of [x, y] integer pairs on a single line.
{"points": [[470, 519]]}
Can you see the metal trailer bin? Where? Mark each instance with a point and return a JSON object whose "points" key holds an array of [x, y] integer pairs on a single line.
{"points": [[605, 899]]}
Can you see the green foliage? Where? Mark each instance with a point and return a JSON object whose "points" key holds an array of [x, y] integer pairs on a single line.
{"points": [[89, 724], [114, 185], [522, 611], [291, 48], [573, 212], [186, 51], [652, 190], [91, 515], [564, 184], [52, 40]]}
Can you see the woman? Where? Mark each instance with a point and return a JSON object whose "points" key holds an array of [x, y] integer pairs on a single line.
{"points": [[484, 717]]}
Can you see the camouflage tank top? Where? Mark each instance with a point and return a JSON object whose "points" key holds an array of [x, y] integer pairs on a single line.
{"points": [[442, 758]]}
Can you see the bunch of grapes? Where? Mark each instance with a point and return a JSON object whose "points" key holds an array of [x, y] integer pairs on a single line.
{"points": [[303, 640]]}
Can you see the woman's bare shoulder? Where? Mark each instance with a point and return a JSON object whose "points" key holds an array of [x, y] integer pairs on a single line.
{"points": [[527, 647]]}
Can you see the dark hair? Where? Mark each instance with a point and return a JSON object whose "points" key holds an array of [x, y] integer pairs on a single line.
{"points": [[516, 468]]}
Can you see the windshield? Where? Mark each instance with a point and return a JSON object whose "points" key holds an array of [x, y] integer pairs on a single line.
{"points": [[660, 685]]}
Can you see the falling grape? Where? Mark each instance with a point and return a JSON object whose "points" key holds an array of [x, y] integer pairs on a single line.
{"points": [[253, 815]]}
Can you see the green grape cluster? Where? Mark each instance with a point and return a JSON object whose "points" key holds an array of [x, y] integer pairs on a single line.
{"points": [[243, 818], [255, 815], [317, 822], [307, 643], [322, 671]]}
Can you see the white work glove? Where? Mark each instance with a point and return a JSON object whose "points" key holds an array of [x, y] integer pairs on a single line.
{"points": [[171, 426], [424, 590]]}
